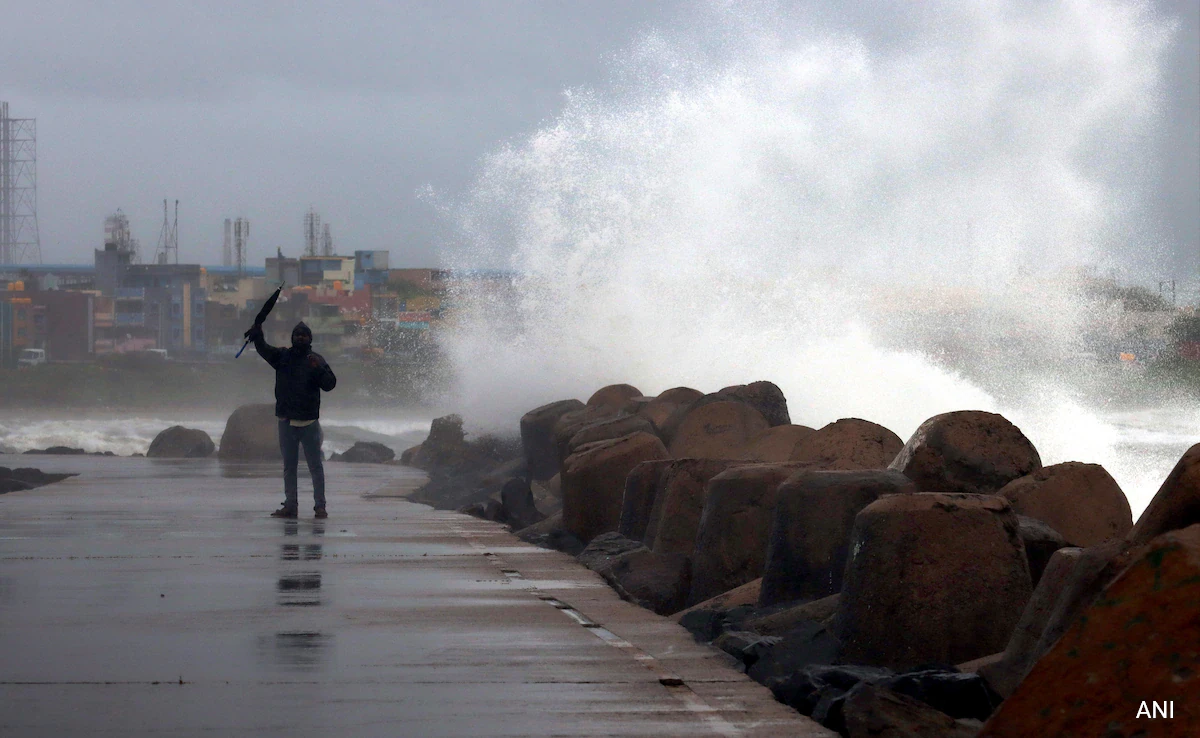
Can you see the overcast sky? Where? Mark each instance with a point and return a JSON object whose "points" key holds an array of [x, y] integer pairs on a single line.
{"points": [[263, 109]]}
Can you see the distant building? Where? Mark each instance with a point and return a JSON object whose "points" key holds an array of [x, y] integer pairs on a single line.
{"points": [[16, 326], [282, 269], [70, 324], [331, 271], [370, 269], [165, 302], [425, 280], [111, 265]]}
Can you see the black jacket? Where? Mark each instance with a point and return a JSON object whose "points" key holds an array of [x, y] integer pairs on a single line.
{"points": [[298, 383]]}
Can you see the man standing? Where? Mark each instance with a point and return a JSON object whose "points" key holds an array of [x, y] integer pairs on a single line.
{"points": [[300, 376]]}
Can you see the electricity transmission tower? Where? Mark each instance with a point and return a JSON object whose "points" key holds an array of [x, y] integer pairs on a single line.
{"points": [[18, 190]]}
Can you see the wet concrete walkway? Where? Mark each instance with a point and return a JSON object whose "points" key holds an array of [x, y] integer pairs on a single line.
{"points": [[156, 598]]}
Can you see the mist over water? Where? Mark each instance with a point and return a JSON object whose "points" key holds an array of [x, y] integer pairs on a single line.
{"points": [[819, 201]]}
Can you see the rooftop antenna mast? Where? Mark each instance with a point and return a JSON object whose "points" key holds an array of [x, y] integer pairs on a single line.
{"points": [[312, 232], [227, 249], [167, 250], [326, 242], [19, 241], [241, 234], [118, 234]]}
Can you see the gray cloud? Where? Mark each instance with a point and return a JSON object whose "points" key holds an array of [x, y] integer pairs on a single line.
{"points": [[262, 109]]}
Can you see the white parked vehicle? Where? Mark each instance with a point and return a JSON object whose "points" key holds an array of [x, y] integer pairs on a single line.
{"points": [[31, 357]]}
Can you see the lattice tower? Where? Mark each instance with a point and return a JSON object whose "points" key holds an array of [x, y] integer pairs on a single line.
{"points": [[19, 241]]}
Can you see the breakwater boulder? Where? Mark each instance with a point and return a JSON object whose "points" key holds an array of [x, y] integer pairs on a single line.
{"points": [[778, 443], [765, 397], [251, 434], [730, 543], [969, 451], [365, 452], [593, 482], [604, 430], [679, 503], [1176, 504], [178, 442], [26, 478], [932, 578], [809, 540], [1080, 501], [849, 443], [1138, 641], [613, 398], [717, 430], [660, 408], [570, 423], [1040, 541], [641, 491], [537, 437]]}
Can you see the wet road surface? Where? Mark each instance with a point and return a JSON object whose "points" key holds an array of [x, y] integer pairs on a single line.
{"points": [[150, 597]]}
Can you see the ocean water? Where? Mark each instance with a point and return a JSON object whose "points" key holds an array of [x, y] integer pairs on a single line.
{"points": [[886, 209], [125, 435]]}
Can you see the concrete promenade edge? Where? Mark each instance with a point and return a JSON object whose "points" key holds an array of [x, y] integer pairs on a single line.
{"points": [[156, 598]]}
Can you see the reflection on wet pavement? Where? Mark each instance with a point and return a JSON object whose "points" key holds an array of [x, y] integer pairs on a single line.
{"points": [[299, 650], [299, 588]]}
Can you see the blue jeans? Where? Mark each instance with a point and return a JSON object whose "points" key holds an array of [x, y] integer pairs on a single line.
{"points": [[291, 439]]}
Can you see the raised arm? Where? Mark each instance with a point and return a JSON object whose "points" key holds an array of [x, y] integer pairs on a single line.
{"points": [[269, 353]]}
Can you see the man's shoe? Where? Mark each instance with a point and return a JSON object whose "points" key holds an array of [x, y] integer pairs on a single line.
{"points": [[284, 512], [320, 513]]}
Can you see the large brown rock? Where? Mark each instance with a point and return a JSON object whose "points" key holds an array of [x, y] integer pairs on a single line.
{"points": [[731, 541], [593, 482], [932, 578], [1080, 501], [613, 397], [809, 542], [874, 711], [1138, 642], [537, 437], [1021, 652], [251, 434], [967, 451], [777, 444], [570, 423], [1040, 541], [1063, 600], [603, 430], [657, 582], [717, 430], [778, 621], [747, 594], [1176, 504], [445, 446], [178, 442], [641, 489], [765, 397], [658, 409], [849, 443], [675, 515]]}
